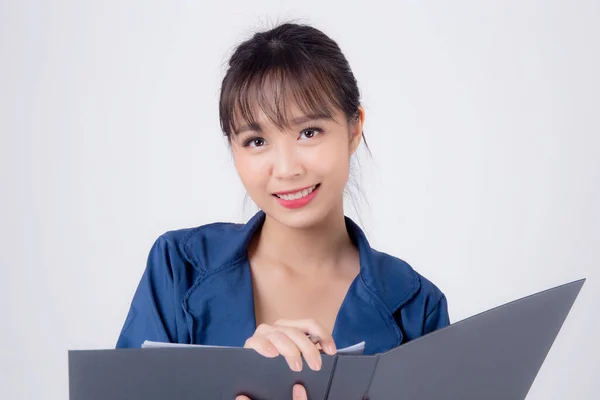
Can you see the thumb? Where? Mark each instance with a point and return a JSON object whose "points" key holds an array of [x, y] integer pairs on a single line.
{"points": [[299, 393]]}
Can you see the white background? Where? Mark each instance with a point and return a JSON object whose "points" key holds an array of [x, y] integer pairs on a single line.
{"points": [[483, 119]]}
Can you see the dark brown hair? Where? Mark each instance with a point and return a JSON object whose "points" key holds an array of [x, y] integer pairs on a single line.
{"points": [[290, 63]]}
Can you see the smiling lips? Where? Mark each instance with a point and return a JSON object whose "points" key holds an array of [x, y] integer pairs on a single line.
{"points": [[298, 198]]}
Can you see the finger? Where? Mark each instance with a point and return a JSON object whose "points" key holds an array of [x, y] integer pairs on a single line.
{"points": [[287, 348], [299, 393], [262, 345], [312, 327], [311, 353], [243, 398], [263, 328]]}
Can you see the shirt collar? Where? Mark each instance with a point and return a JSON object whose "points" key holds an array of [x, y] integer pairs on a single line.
{"points": [[383, 285]]}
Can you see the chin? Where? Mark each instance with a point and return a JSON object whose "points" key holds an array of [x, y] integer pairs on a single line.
{"points": [[300, 218]]}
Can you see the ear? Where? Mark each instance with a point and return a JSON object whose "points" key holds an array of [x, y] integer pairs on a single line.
{"points": [[356, 130]]}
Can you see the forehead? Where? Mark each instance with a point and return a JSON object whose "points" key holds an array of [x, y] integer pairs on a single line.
{"points": [[290, 117], [279, 98]]}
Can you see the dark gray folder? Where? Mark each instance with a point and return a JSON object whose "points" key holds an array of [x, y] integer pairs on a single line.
{"points": [[493, 355]]}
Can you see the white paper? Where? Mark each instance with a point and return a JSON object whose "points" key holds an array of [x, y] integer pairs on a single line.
{"points": [[356, 349]]}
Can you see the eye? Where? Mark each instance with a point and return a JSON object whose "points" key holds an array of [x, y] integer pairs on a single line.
{"points": [[310, 133], [254, 142]]}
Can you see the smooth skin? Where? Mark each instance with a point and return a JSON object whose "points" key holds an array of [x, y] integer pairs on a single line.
{"points": [[307, 246], [289, 339]]}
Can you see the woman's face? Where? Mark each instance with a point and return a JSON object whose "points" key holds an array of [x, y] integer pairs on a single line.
{"points": [[297, 175]]}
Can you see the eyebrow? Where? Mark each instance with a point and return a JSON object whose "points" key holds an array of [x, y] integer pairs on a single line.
{"points": [[255, 126]]}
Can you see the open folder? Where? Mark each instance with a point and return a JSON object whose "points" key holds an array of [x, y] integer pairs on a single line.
{"points": [[493, 355]]}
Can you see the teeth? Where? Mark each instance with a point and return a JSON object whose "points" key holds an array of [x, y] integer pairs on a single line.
{"points": [[297, 195]]}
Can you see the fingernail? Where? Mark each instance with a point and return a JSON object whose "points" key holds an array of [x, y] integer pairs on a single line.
{"points": [[298, 366], [317, 365], [330, 348]]}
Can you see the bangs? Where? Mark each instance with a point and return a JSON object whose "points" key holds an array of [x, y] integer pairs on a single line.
{"points": [[276, 88]]}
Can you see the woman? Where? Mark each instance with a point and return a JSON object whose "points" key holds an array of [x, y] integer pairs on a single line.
{"points": [[291, 112]]}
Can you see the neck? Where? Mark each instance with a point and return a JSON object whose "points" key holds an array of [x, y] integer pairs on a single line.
{"points": [[308, 251]]}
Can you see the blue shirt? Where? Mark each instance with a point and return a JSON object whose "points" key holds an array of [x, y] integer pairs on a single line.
{"points": [[197, 288]]}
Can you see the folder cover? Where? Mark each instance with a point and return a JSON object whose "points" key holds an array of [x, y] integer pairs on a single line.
{"points": [[493, 355]]}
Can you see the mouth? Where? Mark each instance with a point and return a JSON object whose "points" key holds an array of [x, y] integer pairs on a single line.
{"points": [[291, 196]]}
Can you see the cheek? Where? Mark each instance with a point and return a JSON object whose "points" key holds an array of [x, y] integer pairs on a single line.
{"points": [[250, 170], [331, 162]]}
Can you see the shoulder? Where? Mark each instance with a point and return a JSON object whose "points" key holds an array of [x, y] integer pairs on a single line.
{"points": [[401, 282], [422, 305], [176, 261], [202, 247], [392, 279]]}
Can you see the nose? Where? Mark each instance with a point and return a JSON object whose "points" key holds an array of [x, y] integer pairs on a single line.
{"points": [[287, 162]]}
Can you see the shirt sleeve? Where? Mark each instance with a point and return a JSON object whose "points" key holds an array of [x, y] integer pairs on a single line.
{"points": [[151, 313], [438, 317]]}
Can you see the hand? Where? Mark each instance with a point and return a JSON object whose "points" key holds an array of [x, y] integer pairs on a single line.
{"points": [[288, 338], [299, 393]]}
